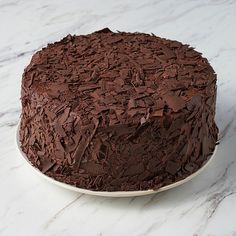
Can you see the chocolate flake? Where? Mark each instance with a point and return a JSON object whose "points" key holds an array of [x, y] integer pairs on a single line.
{"points": [[47, 165], [158, 113], [79, 152], [131, 104], [172, 167], [88, 87], [174, 102]]}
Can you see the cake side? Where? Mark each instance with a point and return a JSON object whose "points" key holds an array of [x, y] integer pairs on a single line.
{"points": [[118, 111]]}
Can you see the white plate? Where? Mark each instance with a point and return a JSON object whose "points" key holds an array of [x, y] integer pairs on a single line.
{"points": [[115, 193]]}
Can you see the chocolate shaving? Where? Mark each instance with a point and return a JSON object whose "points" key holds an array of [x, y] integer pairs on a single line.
{"points": [[105, 30], [93, 169], [158, 113], [65, 115], [131, 104], [83, 145], [47, 165], [174, 102], [172, 167], [88, 87]]}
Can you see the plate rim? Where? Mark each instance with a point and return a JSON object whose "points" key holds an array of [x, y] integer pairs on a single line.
{"points": [[111, 193]]}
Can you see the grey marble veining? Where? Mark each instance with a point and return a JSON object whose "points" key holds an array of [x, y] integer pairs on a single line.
{"points": [[204, 206]]}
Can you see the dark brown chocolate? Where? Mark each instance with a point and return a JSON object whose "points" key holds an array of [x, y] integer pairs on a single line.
{"points": [[118, 111]]}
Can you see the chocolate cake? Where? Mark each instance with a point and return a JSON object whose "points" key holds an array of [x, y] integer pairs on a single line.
{"points": [[118, 111]]}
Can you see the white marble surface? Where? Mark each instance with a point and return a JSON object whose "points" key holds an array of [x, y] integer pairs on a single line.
{"points": [[31, 206]]}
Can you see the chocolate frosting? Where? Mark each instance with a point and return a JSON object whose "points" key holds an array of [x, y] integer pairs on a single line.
{"points": [[118, 111]]}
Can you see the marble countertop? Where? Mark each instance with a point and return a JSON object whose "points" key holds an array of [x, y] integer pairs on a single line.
{"points": [[31, 206]]}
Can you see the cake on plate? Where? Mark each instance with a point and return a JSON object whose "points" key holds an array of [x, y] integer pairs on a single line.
{"points": [[118, 111]]}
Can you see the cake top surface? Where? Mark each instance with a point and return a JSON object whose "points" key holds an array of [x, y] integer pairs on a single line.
{"points": [[130, 76]]}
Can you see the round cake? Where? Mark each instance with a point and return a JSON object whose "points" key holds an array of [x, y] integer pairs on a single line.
{"points": [[118, 111]]}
